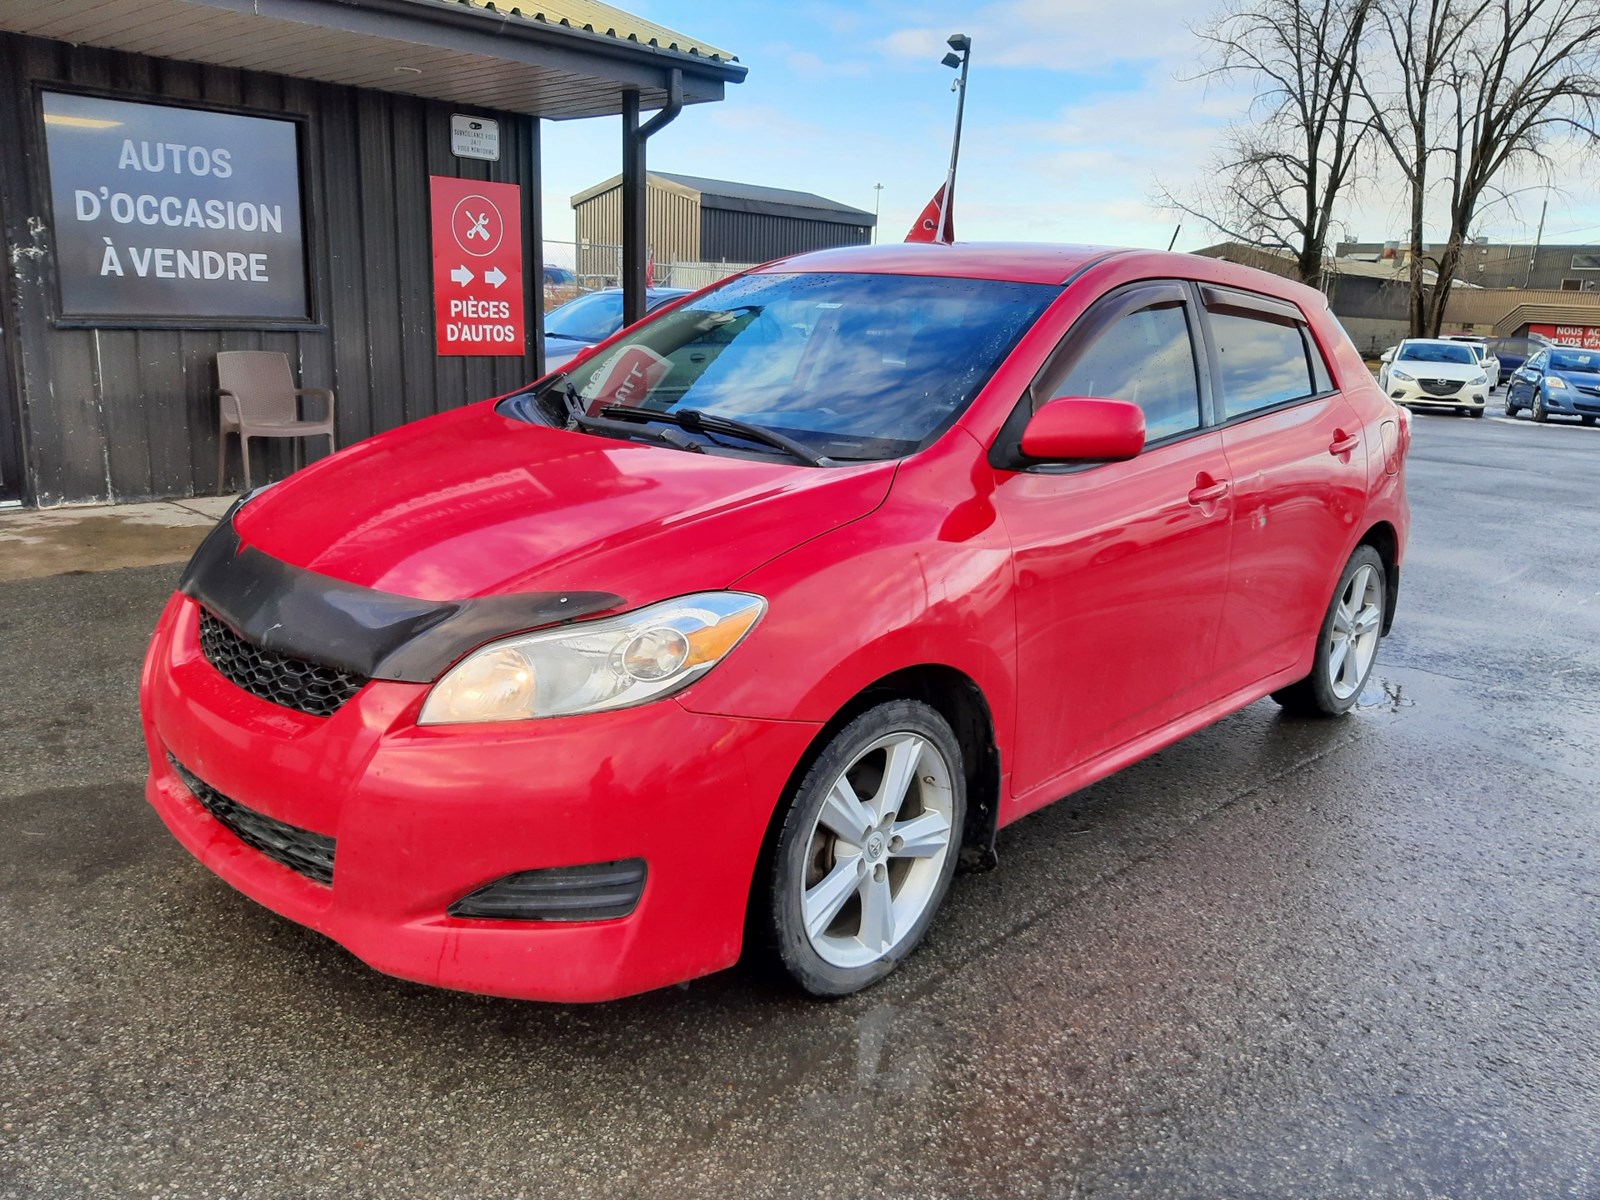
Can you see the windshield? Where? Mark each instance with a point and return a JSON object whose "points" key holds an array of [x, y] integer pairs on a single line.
{"points": [[1574, 360], [591, 318], [1437, 352], [850, 366]]}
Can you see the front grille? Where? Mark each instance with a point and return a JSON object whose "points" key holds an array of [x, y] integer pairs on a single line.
{"points": [[309, 854], [292, 682], [1440, 387]]}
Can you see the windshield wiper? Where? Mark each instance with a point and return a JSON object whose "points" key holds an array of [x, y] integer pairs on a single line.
{"points": [[578, 419], [696, 421], [568, 337]]}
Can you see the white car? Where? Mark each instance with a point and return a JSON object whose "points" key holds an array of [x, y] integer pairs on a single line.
{"points": [[1480, 347], [1434, 373]]}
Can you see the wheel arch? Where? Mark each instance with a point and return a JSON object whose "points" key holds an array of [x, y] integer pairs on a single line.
{"points": [[1383, 538], [956, 697]]}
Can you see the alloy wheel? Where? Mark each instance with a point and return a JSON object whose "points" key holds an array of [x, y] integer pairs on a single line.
{"points": [[1353, 639], [877, 850]]}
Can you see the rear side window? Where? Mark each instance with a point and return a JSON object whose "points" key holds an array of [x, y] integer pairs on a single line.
{"points": [[1261, 362], [1146, 357]]}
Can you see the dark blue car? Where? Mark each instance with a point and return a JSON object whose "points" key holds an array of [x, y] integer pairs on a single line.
{"points": [[1559, 379], [1514, 352]]}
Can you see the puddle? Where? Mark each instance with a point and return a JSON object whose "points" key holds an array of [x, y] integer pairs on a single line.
{"points": [[1380, 693]]}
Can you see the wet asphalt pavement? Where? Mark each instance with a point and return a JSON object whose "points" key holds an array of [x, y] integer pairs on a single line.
{"points": [[1280, 959]]}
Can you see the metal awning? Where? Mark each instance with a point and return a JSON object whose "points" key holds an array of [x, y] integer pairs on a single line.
{"points": [[572, 58]]}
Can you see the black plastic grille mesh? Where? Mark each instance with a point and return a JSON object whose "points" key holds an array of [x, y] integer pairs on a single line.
{"points": [[292, 682], [1440, 387], [310, 854]]}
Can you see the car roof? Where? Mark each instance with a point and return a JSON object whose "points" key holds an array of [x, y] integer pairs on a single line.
{"points": [[1036, 262], [1438, 341]]}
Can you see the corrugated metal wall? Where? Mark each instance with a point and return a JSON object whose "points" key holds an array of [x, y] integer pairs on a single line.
{"points": [[672, 231], [760, 237], [130, 414]]}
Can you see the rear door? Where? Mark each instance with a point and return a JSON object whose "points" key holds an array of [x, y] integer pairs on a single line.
{"points": [[1120, 567], [1297, 456]]}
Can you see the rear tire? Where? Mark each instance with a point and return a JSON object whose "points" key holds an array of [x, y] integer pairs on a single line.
{"points": [[867, 849], [1347, 642]]}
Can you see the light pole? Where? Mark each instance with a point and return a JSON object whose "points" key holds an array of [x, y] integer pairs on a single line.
{"points": [[960, 58], [877, 203]]}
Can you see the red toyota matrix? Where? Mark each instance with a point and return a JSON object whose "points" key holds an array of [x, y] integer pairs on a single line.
{"points": [[760, 616]]}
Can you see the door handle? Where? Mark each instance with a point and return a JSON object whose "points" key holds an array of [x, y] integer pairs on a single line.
{"points": [[1343, 443], [1208, 493]]}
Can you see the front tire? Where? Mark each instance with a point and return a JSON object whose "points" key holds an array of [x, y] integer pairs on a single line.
{"points": [[866, 852], [1540, 413], [1347, 643]]}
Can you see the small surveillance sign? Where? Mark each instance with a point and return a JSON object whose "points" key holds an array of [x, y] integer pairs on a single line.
{"points": [[474, 137]]}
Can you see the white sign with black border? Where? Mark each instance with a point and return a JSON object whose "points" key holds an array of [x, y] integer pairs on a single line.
{"points": [[474, 137]]}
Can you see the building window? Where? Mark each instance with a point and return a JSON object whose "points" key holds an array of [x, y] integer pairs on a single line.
{"points": [[1571, 285], [165, 214], [1586, 262]]}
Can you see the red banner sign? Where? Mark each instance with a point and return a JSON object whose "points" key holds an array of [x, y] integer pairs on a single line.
{"points": [[1587, 336], [477, 267]]}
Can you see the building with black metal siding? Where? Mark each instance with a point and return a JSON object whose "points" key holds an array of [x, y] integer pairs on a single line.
{"points": [[183, 177]]}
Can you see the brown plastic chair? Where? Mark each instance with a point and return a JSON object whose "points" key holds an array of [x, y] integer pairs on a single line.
{"points": [[258, 399]]}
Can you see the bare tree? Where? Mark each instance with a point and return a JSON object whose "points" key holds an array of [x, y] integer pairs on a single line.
{"points": [[1281, 173], [1402, 83], [1531, 75], [1480, 87]]}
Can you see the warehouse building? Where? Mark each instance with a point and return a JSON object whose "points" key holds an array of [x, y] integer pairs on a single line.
{"points": [[352, 186], [695, 220]]}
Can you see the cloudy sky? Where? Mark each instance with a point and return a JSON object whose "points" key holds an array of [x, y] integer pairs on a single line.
{"points": [[1077, 108]]}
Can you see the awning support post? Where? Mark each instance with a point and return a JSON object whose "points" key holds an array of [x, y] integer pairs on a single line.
{"points": [[634, 231]]}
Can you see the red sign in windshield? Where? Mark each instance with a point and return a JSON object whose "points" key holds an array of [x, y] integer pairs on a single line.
{"points": [[477, 267]]}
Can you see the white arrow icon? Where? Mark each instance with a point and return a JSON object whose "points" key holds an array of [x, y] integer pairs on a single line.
{"points": [[462, 276], [495, 276]]}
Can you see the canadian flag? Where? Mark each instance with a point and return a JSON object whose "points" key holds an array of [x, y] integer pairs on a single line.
{"points": [[937, 222]]}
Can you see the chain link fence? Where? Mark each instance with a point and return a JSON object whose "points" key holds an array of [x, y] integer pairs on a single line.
{"points": [[574, 269]]}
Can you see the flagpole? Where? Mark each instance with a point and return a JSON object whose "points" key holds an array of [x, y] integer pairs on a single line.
{"points": [[963, 43]]}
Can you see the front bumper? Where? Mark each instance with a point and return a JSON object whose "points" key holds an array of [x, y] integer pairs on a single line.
{"points": [[423, 816], [1414, 394]]}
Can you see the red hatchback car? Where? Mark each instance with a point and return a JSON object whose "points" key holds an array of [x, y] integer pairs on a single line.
{"points": [[765, 612]]}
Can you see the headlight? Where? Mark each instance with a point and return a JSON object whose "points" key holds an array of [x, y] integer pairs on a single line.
{"points": [[1555, 382], [1401, 376], [593, 666], [1477, 379]]}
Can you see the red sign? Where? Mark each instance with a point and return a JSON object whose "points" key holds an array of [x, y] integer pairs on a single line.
{"points": [[477, 267], [1587, 336]]}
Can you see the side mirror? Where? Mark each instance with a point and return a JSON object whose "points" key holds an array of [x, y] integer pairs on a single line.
{"points": [[1079, 429], [1387, 355]]}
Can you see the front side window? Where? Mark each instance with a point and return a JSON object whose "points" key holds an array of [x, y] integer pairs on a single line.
{"points": [[1147, 358], [849, 366], [1262, 362]]}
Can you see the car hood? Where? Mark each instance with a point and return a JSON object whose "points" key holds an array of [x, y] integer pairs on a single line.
{"points": [[473, 503], [1586, 379], [1436, 370]]}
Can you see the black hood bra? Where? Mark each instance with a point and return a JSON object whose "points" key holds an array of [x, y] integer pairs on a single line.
{"points": [[379, 635]]}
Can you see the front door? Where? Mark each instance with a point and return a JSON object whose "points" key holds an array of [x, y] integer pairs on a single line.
{"points": [[1120, 567]]}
